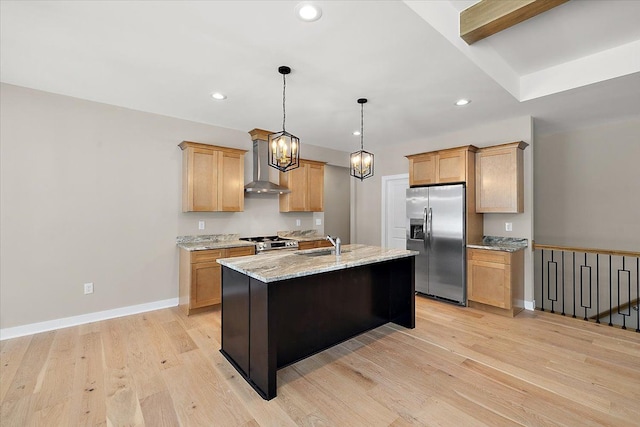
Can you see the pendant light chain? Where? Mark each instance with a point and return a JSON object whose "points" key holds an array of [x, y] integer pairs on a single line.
{"points": [[284, 111], [361, 126]]}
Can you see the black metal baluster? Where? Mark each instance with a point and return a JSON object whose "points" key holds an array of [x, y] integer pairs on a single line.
{"points": [[627, 312], [610, 295], [562, 283], [549, 280], [542, 279], [597, 288], [574, 285], [588, 267], [638, 294]]}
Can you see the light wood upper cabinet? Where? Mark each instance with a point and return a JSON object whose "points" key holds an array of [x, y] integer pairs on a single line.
{"points": [[307, 188], [495, 280], [452, 166], [315, 176], [500, 178], [231, 181], [422, 169], [439, 167], [212, 178]]}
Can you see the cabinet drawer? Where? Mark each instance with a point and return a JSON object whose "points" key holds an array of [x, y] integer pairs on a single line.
{"points": [[499, 257], [207, 256], [242, 251]]}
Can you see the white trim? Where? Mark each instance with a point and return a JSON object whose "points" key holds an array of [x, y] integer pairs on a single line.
{"points": [[530, 305], [49, 325], [383, 210]]}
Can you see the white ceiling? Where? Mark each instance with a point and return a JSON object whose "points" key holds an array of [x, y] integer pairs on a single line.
{"points": [[575, 65]]}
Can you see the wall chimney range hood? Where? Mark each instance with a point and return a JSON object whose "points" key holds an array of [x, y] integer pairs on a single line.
{"points": [[261, 183]]}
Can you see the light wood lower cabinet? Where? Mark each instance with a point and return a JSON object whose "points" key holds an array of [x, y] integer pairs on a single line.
{"points": [[495, 281], [201, 277], [314, 244]]}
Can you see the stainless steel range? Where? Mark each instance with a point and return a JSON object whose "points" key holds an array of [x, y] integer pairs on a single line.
{"points": [[270, 243]]}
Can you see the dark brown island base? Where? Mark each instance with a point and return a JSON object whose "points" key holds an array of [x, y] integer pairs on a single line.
{"points": [[279, 309]]}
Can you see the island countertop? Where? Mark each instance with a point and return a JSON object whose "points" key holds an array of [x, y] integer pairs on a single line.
{"points": [[271, 268]]}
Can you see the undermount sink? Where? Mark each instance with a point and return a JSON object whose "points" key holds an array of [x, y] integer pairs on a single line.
{"points": [[316, 252]]}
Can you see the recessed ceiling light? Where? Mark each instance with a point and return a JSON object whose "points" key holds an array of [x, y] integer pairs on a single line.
{"points": [[308, 11], [219, 96], [356, 132], [461, 102]]}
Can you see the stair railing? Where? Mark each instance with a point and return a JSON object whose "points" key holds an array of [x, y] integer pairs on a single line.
{"points": [[568, 280]]}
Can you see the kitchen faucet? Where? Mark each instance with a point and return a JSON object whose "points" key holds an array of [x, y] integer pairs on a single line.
{"points": [[337, 244]]}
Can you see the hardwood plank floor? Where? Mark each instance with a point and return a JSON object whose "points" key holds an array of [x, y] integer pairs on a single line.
{"points": [[458, 367]]}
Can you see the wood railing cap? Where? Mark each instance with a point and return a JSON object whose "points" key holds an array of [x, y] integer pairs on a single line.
{"points": [[537, 246]]}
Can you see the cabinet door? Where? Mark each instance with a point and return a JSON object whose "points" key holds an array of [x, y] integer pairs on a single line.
{"points": [[202, 181], [231, 182], [422, 169], [452, 166], [500, 181], [241, 251], [489, 283], [316, 187], [307, 245], [323, 244], [296, 180], [206, 284]]}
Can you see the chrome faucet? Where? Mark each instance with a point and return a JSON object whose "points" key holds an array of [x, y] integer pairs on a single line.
{"points": [[336, 243]]}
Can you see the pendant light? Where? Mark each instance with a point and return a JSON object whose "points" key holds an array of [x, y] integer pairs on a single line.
{"points": [[284, 148], [361, 161]]}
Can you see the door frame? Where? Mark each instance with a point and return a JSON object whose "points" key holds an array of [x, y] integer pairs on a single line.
{"points": [[386, 180]]}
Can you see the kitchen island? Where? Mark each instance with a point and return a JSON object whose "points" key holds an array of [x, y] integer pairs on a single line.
{"points": [[278, 309]]}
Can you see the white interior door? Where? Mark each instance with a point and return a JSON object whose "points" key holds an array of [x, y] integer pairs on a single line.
{"points": [[394, 216]]}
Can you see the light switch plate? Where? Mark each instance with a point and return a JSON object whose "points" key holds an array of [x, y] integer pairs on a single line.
{"points": [[200, 225], [508, 226], [297, 223], [318, 221]]}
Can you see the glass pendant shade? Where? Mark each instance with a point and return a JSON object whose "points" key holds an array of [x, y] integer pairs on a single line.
{"points": [[361, 164], [284, 153], [284, 148]]}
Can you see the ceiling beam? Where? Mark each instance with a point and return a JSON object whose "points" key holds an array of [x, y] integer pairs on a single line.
{"points": [[489, 17]]}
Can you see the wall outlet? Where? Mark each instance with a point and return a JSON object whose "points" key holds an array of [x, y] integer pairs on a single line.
{"points": [[88, 288], [318, 221], [200, 225], [297, 223], [508, 226]]}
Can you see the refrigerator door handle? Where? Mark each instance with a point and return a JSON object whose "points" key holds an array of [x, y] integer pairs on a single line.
{"points": [[429, 224], [424, 222]]}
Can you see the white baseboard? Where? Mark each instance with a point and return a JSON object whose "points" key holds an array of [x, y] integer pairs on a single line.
{"points": [[49, 325], [530, 305]]}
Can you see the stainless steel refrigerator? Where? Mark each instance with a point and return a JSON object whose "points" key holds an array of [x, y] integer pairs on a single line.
{"points": [[436, 229]]}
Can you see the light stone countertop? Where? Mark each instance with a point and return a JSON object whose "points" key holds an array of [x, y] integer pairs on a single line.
{"points": [[211, 241], [505, 244], [271, 268], [301, 235]]}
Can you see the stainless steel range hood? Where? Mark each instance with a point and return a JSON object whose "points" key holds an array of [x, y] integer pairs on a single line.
{"points": [[261, 183]]}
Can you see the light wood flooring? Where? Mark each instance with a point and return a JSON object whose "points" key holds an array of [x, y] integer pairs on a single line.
{"points": [[458, 367]]}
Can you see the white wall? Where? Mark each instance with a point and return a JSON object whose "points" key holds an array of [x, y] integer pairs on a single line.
{"points": [[587, 187], [391, 161], [92, 193]]}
